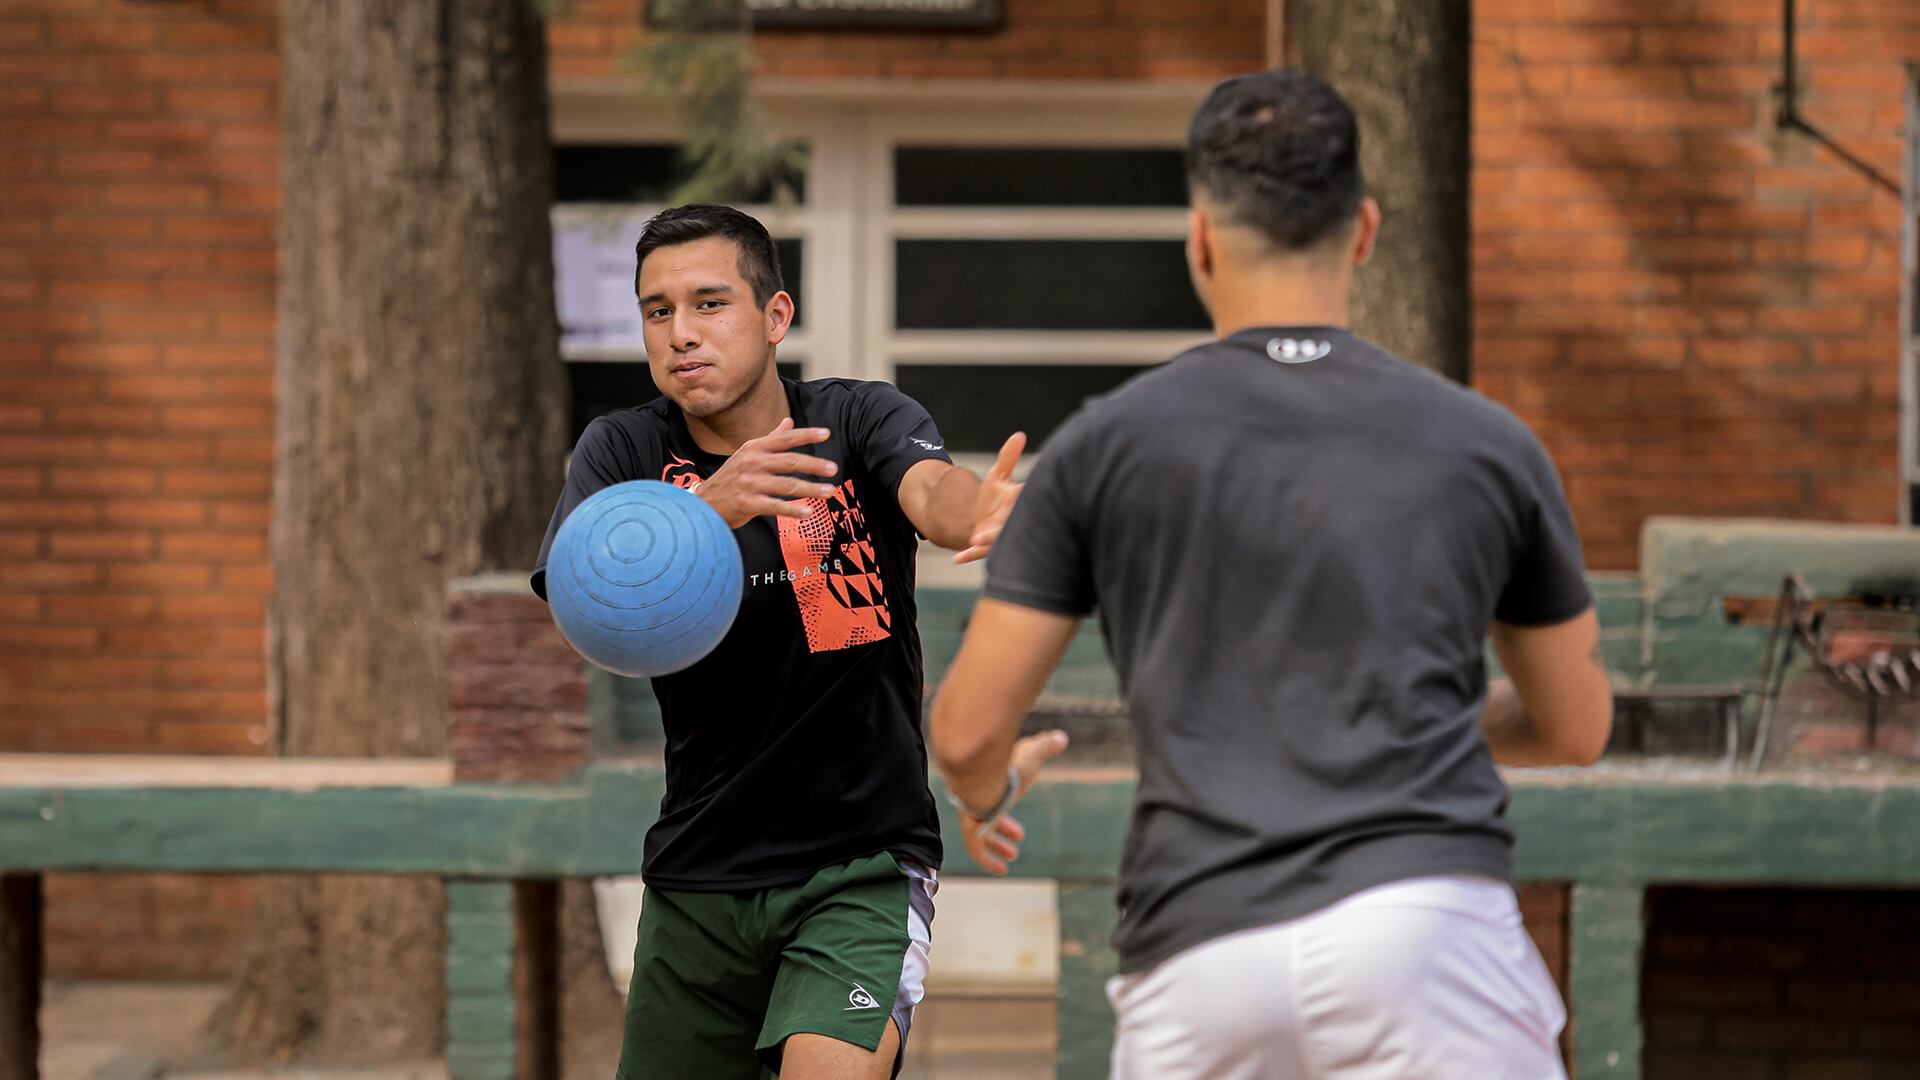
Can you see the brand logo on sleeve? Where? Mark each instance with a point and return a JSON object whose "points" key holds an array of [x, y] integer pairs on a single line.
{"points": [[925, 445]]}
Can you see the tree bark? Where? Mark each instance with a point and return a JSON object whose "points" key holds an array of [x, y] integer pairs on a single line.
{"points": [[420, 433], [1404, 66]]}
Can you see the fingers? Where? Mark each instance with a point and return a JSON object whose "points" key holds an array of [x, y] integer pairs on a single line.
{"points": [[993, 847], [785, 437], [805, 464], [1033, 752], [1009, 456]]}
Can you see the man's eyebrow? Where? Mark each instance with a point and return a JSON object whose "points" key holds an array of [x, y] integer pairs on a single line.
{"points": [[704, 290]]}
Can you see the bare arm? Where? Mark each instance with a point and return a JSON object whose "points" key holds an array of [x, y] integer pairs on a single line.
{"points": [[1003, 663], [1556, 706], [958, 510]]}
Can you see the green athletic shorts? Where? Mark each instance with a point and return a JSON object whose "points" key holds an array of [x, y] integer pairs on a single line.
{"points": [[721, 979]]}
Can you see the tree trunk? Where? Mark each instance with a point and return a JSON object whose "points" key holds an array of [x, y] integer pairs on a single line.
{"points": [[420, 433], [1403, 64]]}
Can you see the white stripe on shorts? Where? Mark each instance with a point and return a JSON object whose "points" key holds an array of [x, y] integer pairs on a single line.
{"points": [[1430, 977]]}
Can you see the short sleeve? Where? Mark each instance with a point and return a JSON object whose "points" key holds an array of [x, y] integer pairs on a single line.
{"points": [[596, 463], [1042, 559], [1548, 581], [892, 433]]}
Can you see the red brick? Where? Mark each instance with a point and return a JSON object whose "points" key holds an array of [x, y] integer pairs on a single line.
{"points": [[46, 575], [163, 389], [220, 101], [117, 544], [200, 35], [1751, 352], [197, 737], [143, 448], [102, 479], [219, 419], [217, 546], [1813, 320], [160, 577], [159, 513], [154, 324], [209, 356], [42, 640], [242, 515], [92, 610], [214, 609]]}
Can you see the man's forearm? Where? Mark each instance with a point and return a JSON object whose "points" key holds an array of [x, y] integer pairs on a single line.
{"points": [[980, 779], [950, 509], [1510, 734]]}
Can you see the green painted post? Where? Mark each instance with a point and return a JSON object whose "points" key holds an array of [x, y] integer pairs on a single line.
{"points": [[1608, 928], [1087, 961], [480, 992]]}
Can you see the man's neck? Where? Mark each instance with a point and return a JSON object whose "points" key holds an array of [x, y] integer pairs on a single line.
{"points": [[754, 415], [1279, 297]]}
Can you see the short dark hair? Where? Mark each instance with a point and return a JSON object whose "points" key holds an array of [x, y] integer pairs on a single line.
{"points": [[759, 262], [1278, 151]]}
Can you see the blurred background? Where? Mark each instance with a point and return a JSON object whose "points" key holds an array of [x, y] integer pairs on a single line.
{"points": [[302, 303]]}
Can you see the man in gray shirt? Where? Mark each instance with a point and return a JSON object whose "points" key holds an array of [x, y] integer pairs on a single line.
{"points": [[1298, 546]]}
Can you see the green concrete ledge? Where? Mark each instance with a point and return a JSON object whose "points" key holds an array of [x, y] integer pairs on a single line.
{"points": [[1613, 824]]}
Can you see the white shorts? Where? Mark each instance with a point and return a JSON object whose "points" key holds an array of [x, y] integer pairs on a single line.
{"points": [[1433, 978]]}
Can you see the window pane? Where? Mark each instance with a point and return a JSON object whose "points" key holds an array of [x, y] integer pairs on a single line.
{"points": [[1037, 176], [978, 405], [1044, 285], [644, 173], [599, 387], [593, 283]]}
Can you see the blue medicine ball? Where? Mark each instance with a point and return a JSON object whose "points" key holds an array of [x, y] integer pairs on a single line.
{"points": [[644, 578]]}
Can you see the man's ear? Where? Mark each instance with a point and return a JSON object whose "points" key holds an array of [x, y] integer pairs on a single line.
{"points": [[779, 316], [1367, 232], [1199, 245]]}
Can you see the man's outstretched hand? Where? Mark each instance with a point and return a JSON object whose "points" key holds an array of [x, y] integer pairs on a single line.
{"points": [[994, 501]]}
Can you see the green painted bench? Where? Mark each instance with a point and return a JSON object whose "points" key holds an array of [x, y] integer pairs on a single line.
{"points": [[1608, 832]]}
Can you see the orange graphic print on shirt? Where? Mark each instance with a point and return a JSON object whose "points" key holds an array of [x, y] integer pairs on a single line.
{"points": [[681, 473], [836, 573]]}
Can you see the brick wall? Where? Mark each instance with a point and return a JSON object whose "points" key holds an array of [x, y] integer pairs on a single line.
{"points": [[138, 185], [1697, 314], [1037, 39], [1782, 984], [136, 372]]}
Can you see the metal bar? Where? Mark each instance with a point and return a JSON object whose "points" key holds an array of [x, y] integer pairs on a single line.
{"points": [[1910, 310], [1787, 115]]}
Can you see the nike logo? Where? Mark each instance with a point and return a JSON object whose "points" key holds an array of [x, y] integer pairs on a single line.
{"points": [[925, 445]]}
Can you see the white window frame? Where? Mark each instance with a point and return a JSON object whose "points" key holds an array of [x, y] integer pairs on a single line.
{"points": [[849, 224]]}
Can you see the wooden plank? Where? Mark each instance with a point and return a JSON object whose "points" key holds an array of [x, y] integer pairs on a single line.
{"points": [[1608, 927], [69, 771], [22, 964]]}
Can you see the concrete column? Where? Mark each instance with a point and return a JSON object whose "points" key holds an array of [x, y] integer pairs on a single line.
{"points": [[1608, 925]]}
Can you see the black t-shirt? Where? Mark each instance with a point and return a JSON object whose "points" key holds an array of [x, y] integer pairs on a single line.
{"points": [[796, 743], [1295, 542]]}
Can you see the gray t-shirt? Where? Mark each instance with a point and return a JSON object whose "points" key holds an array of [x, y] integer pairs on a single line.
{"points": [[1295, 542]]}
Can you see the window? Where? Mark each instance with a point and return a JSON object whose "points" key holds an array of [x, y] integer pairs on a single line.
{"points": [[1000, 255]]}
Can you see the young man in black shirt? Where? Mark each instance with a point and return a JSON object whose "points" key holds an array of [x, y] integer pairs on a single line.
{"points": [[790, 876], [1298, 545]]}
